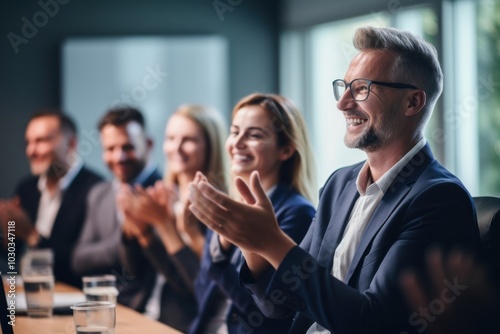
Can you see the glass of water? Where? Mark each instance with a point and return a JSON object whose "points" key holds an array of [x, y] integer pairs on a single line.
{"points": [[94, 317], [100, 288], [39, 290]]}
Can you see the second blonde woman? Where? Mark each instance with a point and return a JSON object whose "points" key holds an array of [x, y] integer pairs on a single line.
{"points": [[162, 231]]}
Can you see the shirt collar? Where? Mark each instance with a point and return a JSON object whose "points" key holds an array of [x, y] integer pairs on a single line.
{"points": [[364, 182], [271, 190], [65, 181], [146, 172]]}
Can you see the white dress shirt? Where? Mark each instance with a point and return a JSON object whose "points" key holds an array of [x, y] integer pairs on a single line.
{"points": [[50, 202], [370, 196]]}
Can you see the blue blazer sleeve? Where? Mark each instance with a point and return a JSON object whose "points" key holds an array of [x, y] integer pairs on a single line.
{"points": [[294, 218], [294, 214]]}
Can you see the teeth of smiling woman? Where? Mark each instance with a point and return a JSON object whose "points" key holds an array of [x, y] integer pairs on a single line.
{"points": [[241, 157]]}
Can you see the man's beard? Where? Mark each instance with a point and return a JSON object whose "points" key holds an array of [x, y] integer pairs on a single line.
{"points": [[367, 141]]}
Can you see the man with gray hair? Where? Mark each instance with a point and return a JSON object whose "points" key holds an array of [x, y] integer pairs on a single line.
{"points": [[374, 218]]}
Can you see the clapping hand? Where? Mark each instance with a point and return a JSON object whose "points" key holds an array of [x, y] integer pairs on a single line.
{"points": [[133, 224], [251, 225], [11, 210], [458, 297], [152, 205]]}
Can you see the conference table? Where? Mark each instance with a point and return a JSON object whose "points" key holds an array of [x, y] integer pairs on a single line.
{"points": [[128, 321]]}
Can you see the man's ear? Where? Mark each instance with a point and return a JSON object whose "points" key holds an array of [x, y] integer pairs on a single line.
{"points": [[286, 152], [149, 143], [416, 102], [72, 142]]}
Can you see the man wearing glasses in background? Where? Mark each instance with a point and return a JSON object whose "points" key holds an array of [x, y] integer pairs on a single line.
{"points": [[374, 218]]}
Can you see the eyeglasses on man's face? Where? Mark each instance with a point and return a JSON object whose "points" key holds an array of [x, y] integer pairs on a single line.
{"points": [[360, 88]]}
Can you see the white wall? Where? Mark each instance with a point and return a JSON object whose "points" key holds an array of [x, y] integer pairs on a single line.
{"points": [[155, 74]]}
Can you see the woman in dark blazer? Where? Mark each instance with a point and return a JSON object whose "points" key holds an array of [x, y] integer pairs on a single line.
{"points": [[268, 134]]}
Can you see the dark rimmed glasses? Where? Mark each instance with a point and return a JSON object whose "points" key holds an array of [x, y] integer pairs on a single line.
{"points": [[360, 88]]}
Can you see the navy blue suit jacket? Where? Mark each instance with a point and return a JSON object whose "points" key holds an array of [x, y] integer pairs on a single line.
{"points": [[69, 219], [425, 205], [294, 214]]}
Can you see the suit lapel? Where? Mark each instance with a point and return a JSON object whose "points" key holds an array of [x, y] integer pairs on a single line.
{"points": [[393, 196], [61, 223], [151, 179], [338, 221], [110, 208], [380, 216], [278, 196]]}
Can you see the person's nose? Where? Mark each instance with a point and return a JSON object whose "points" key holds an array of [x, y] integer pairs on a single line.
{"points": [[346, 101], [180, 146], [239, 140], [120, 155], [30, 149]]}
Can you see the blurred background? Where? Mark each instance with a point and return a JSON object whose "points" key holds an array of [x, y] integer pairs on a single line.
{"points": [[87, 56]]}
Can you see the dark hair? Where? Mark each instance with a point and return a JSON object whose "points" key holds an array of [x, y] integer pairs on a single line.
{"points": [[121, 116], [66, 123]]}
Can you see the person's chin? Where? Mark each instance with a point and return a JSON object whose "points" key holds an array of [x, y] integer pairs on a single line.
{"points": [[124, 178], [354, 140], [38, 169], [350, 142], [178, 167], [241, 171], [120, 175]]}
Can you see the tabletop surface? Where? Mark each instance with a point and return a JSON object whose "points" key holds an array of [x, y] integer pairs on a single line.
{"points": [[128, 321]]}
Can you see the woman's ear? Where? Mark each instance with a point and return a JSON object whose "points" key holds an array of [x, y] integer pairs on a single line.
{"points": [[416, 102], [286, 152]]}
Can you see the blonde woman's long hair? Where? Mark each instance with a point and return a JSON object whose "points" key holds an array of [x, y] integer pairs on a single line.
{"points": [[214, 132], [290, 127]]}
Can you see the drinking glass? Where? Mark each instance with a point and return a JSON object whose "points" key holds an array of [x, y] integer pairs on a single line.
{"points": [[100, 288], [39, 290], [94, 317]]}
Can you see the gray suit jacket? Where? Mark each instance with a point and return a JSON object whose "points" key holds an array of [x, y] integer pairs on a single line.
{"points": [[98, 248]]}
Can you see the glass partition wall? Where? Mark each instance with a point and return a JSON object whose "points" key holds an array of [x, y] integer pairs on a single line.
{"points": [[464, 130]]}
